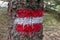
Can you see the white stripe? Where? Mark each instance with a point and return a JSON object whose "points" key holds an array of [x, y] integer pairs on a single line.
{"points": [[28, 20], [37, 20]]}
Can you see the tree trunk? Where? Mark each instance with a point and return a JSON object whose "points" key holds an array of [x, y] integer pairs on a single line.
{"points": [[25, 9]]}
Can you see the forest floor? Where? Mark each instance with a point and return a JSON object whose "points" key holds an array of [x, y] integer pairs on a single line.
{"points": [[50, 32]]}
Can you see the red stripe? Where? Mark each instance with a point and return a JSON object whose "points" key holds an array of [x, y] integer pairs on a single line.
{"points": [[37, 13], [29, 28], [30, 13]]}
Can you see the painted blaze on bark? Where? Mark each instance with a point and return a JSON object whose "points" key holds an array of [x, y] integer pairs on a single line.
{"points": [[28, 18]]}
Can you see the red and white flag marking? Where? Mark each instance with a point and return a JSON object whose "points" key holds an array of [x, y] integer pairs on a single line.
{"points": [[29, 20]]}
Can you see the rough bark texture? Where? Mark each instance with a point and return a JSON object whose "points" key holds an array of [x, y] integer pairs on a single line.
{"points": [[15, 5]]}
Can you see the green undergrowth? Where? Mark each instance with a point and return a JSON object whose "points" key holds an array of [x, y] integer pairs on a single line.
{"points": [[3, 17], [51, 19]]}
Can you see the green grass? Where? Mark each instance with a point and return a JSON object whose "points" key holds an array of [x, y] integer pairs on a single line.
{"points": [[51, 19], [3, 20]]}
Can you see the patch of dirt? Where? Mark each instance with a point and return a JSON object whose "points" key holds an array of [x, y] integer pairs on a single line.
{"points": [[52, 33]]}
